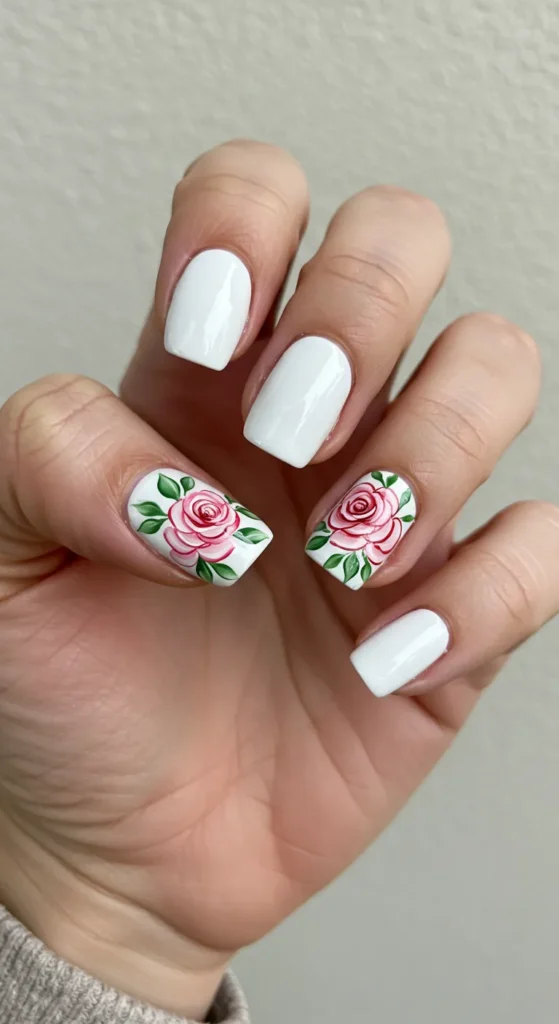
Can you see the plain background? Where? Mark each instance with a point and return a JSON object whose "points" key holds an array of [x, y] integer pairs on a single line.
{"points": [[453, 915]]}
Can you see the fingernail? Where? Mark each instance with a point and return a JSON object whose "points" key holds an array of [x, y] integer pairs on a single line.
{"points": [[209, 309], [401, 651], [362, 530], [299, 403], [196, 527]]}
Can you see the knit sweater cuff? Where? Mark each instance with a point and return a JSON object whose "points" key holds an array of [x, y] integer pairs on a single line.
{"points": [[37, 987]]}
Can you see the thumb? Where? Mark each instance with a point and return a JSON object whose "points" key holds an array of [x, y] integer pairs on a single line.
{"points": [[81, 473]]}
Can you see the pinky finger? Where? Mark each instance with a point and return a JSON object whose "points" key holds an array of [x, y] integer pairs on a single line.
{"points": [[498, 588]]}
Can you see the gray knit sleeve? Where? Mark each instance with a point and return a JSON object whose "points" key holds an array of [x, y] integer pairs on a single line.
{"points": [[37, 987]]}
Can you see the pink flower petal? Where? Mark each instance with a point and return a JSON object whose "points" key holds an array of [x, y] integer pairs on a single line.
{"points": [[189, 560], [183, 543], [386, 546], [379, 533], [176, 516], [347, 541], [356, 529], [374, 556], [216, 552], [392, 499], [377, 551], [344, 514], [385, 507], [217, 531]]}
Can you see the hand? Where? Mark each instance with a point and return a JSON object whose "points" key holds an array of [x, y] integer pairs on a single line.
{"points": [[183, 764]]}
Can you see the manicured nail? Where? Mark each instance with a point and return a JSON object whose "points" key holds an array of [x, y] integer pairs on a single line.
{"points": [[401, 651], [361, 531], [209, 309], [299, 403], [197, 527]]}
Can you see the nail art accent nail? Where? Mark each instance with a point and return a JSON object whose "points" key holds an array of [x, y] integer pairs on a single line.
{"points": [[299, 403], [361, 531], [196, 526], [401, 651], [209, 309]]}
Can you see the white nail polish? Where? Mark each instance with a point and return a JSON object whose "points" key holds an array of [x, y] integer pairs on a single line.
{"points": [[209, 309], [196, 527], [401, 651], [300, 402]]}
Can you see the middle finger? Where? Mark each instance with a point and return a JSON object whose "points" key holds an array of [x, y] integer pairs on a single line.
{"points": [[357, 306]]}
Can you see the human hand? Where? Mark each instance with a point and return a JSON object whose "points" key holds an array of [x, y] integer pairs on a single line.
{"points": [[183, 764]]}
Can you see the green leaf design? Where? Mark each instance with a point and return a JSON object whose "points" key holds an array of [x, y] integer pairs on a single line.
{"points": [[225, 571], [167, 487], [392, 480], [229, 499], [316, 542], [333, 561], [151, 525], [366, 571], [250, 536], [187, 483], [246, 512], [150, 508], [203, 570], [407, 519], [376, 475], [321, 527], [406, 496], [351, 567]]}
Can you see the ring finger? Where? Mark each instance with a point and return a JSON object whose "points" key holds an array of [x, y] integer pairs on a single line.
{"points": [[439, 441]]}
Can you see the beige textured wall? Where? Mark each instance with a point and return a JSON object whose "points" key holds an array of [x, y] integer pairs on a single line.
{"points": [[453, 916]]}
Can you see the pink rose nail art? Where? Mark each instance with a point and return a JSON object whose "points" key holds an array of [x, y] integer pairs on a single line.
{"points": [[203, 525], [362, 530], [193, 524]]}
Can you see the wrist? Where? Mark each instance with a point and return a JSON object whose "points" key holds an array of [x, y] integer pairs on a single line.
{"points": [[120, 943]]}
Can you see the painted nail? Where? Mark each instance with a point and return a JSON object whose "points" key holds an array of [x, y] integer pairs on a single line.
{"points": [[299, 403], [196, 526], [209, 309], [401, 651], [362, 530]]}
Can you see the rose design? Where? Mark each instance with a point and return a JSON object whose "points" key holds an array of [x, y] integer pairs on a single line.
{"points": [[365, 520], [203, 524]]}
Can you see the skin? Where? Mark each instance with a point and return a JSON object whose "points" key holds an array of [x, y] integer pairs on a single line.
{"points": [[183, 766]]}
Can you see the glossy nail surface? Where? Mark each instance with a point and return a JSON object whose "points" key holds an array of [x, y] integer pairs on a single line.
{"points": [[301, 400], [209, 309], [362, 530], [197, 527], [401, 651]]}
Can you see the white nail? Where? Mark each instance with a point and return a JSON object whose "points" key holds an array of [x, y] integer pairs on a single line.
{"points": [[401, 651], [209, 309], [299, 403]]}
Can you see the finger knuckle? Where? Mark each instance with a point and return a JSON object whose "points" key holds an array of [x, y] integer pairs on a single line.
{"points": [[455, 431], [415, 206], [405, 196], [35, 417], [382, 284], [258, 172], [238, 189], [507, 339], [536, 518], [502, 581], [272, 160], [397, 194]]}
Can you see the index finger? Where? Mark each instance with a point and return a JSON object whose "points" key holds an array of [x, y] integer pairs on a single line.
{"points": [[238, 216]]}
